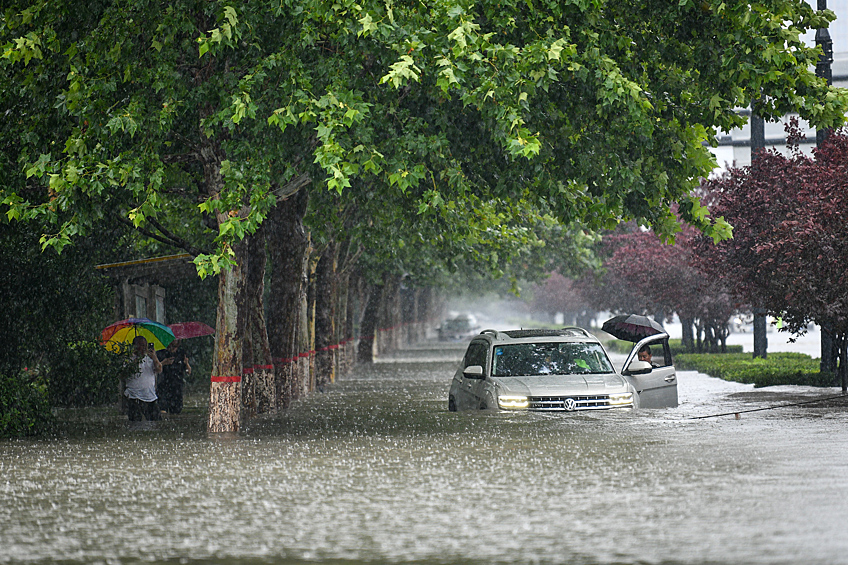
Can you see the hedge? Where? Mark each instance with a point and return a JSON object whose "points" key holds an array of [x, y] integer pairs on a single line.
{"points": [[676, 346], [777, 369]]}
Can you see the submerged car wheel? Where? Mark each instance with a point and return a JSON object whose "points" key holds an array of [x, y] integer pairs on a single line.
{"points": [[451, 404]]}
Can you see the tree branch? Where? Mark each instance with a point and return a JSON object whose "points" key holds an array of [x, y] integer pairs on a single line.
{"points": [[143, 231], [178, 241], [167, 238], [292, 187], [350, 259], [182, 158]]}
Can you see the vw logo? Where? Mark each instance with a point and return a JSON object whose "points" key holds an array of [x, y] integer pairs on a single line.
{"points": [[570, 404]]}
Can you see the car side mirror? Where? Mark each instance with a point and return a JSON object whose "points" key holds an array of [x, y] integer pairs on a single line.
{"points": [[637, 367], [473, 372]]}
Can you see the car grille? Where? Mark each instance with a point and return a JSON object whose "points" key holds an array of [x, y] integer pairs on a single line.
{"points": [[557, 403]]}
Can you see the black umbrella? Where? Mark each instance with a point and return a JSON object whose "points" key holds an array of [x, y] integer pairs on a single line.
{"points": [[632, 327]]}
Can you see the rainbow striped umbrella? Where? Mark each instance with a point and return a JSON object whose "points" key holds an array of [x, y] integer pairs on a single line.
{"points": [[125, 331]]}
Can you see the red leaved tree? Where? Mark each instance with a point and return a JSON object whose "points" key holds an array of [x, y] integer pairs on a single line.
{"points": [[641, 274], [790, 237], [558, 294]]}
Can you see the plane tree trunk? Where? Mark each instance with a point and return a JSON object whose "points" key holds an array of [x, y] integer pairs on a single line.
{"points": [[391, 321], [325, 316], [288, 245], [368, 328], [225, 392], [258, 364]]}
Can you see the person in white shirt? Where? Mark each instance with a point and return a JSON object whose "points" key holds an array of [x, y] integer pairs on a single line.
{"points": [[141, 389]]}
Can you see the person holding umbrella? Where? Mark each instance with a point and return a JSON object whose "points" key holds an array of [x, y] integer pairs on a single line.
{"points": [[141, 389], [175, 364], [170, 389]]}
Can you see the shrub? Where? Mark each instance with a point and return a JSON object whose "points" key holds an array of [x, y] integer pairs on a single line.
{"points": [[678, 349], [87, 374], [24, 407], [776, 369], [676, 345]]}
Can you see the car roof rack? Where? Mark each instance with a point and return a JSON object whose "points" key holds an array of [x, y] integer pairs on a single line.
{"points": [[577, 329], [564, 332], [568, 331]]}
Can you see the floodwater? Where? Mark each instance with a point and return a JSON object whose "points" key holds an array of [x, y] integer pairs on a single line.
{"points": [[376, 470]]}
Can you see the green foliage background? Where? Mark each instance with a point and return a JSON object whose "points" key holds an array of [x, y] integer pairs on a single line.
{"points": [[24, 405], [53, 308]]}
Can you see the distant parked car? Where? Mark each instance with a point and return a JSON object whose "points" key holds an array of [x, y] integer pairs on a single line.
{"points": [[559, 370], [458, 328], [742, 324]]}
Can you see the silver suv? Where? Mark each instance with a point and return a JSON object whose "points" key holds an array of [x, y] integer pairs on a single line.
{"points": [[559, 370]]}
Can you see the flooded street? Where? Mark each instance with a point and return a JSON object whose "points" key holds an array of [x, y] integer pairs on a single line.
{"points": [[376, 470]]}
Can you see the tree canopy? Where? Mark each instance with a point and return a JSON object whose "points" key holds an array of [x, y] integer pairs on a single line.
{"points": [[599, 108]]}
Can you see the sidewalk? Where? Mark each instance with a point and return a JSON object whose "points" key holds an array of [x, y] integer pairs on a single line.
{"points": [[810, 343]]}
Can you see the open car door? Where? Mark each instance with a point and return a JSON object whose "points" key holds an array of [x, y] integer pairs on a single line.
{"points": [[657, 384]]}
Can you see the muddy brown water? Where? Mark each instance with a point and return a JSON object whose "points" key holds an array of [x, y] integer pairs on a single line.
{"points": [[376, 470]]}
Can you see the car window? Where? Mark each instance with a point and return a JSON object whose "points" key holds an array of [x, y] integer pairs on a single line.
{"points": [[476, 355], [554, 358], [660, 353], [665, 358]]}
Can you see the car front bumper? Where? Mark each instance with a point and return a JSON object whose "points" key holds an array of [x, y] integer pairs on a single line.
{"points": [[569, 403]]}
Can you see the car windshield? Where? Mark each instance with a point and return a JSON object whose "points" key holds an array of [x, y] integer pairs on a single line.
{"points": [[524, 359]]}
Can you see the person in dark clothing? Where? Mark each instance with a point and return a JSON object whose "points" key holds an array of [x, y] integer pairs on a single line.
{"points": [[644, 354], [170, 387]]}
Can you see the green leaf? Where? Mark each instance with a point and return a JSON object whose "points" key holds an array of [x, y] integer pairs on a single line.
{"points": [[368, 26], [401, 71]]}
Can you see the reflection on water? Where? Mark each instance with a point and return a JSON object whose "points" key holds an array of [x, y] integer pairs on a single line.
{"points": [[377, 470]]}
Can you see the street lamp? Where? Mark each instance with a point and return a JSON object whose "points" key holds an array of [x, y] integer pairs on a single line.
{"points": [[823, 67], [823, 70], [758, 144]]}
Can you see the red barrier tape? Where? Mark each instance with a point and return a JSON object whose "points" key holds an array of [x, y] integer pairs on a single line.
{"points": [[226, 379]]}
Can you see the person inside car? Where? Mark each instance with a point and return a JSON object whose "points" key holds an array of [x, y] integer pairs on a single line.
{"points": [[645, 355]]}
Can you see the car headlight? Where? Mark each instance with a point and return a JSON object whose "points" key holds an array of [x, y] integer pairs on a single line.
{"points": [[621, 399], [511, 402]]}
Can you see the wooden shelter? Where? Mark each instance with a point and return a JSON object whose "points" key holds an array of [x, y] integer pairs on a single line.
{"points": [[140, 285]]}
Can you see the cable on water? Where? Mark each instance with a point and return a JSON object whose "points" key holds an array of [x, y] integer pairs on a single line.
{"points": [[738, 412]]}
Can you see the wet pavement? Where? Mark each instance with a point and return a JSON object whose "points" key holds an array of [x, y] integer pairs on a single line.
{"points": [[376, 470]]}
